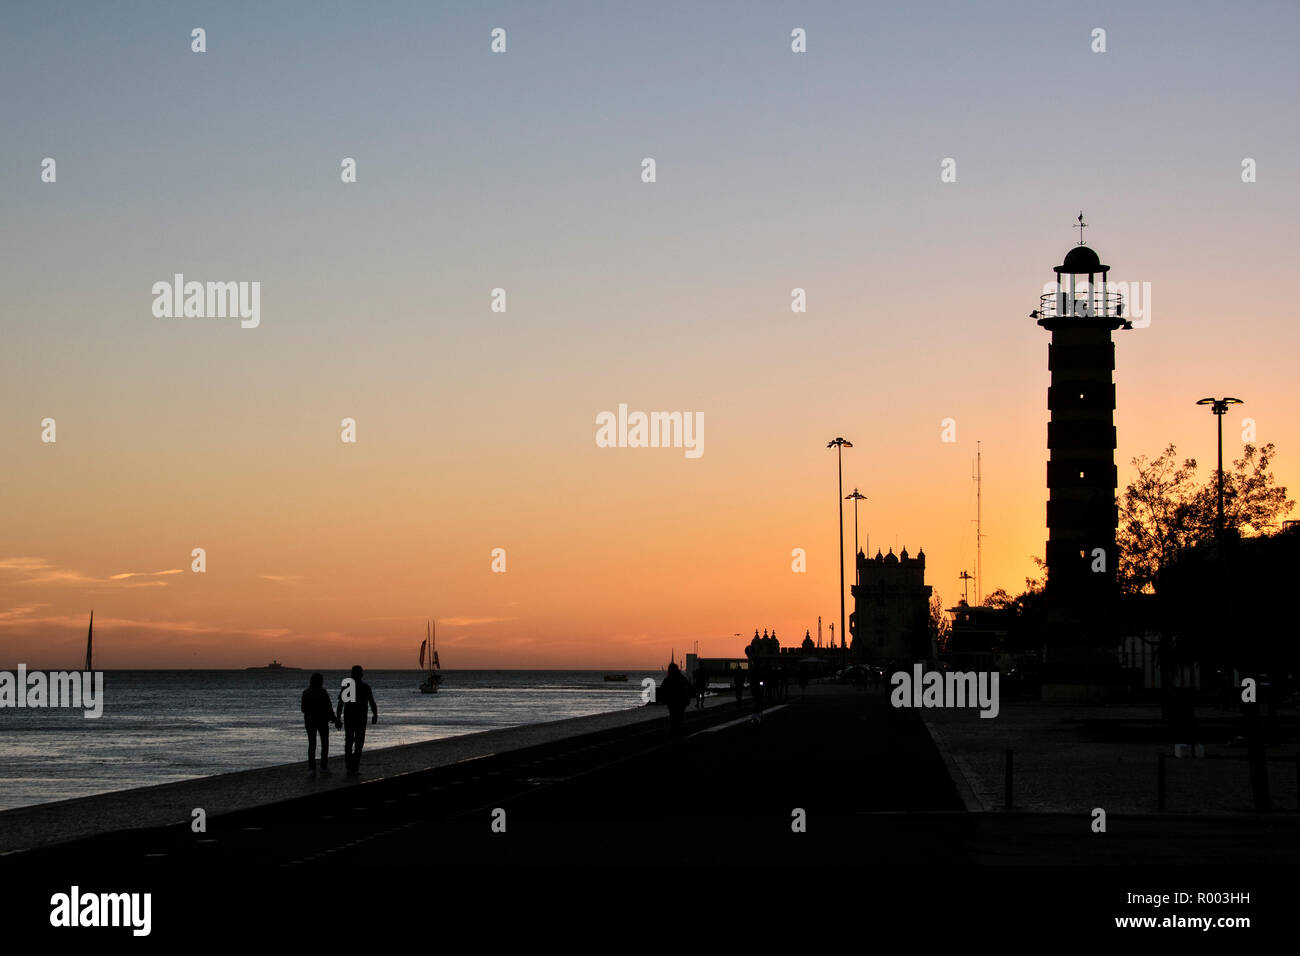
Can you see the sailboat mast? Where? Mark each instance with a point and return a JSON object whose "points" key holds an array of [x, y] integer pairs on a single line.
{"points": [[89, 636]]}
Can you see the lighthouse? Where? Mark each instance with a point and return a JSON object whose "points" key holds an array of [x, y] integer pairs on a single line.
{"points": [[1080, 659]]}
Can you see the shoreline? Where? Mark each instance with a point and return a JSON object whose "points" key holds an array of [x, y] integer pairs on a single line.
{"points": [[43, 824]]}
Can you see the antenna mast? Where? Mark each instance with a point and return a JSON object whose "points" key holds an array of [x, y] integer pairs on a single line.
{"points": [[979, 526], [965, 582]]}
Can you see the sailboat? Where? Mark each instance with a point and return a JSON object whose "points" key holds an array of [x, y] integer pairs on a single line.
{"points": [[432, 673], [89, 636]]}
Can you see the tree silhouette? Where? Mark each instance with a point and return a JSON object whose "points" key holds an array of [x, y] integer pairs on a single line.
{"points": [[1164, 512], [1252, 502], [999, 599], [1156, 519], [940, 626]]}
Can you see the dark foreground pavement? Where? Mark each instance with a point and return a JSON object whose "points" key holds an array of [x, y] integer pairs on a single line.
{"points": [[835, 801]]}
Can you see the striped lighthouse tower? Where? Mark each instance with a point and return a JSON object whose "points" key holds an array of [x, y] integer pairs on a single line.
{"points": [[1080, 656]]}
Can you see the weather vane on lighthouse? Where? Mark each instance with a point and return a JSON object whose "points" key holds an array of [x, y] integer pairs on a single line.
{"points": [[1081, 226]]}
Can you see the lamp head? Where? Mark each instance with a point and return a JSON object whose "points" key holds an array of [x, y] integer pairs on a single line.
{"points": [[1220, 405]]}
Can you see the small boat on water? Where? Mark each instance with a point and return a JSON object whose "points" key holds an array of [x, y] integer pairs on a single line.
{"points": [[433, 673], [89, 634], [613, 677]]}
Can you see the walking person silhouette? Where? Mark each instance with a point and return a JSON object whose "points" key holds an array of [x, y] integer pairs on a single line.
{"points": [[676, 693], [353, 699], [317, 715]]}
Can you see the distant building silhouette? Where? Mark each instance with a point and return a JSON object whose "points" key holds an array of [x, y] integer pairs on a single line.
{"points": [[891, 608], [764, 646], [978, 633], [1080, 651]]}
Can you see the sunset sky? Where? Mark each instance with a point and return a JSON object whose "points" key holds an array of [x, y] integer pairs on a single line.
{"points": [[522, 170]]}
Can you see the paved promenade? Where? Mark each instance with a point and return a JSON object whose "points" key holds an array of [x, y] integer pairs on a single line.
{"points": [[831, 777], [835, 796], [1072, 758], [172, 803]]}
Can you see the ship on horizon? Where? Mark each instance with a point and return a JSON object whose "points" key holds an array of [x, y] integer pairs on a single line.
{"points": [[275, 665]]}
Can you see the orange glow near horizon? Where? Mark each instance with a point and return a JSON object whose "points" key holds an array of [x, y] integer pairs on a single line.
{"points": [[476, 429], [322, 554]]}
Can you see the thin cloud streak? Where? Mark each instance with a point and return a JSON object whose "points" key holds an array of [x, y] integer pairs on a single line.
{"points": [[35, 571]]}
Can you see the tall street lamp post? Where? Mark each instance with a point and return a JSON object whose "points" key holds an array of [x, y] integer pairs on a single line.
{"points": [[839, 444], [1220, 408], [855, 498]]}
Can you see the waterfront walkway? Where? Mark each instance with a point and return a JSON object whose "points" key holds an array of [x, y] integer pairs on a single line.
{"points": [[172, 803], [833, 777]]}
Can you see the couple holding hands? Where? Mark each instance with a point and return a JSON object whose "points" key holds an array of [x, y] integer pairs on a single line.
{"points": [[350, 715]]}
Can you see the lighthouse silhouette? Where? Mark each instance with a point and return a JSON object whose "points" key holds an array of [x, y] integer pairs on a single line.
{"points": [[1081, 313]]}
